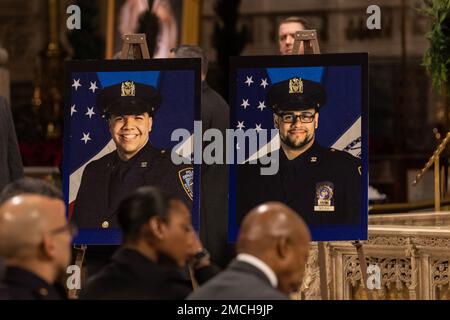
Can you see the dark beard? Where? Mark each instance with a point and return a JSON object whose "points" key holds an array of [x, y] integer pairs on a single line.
{"points": [[295, 146]]}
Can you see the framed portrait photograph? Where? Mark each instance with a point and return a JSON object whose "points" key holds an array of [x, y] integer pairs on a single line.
{"points": [[119, 119], [304, 140]]}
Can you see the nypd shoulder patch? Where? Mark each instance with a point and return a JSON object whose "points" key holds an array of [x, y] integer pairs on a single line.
{"points": [[186, 176]]}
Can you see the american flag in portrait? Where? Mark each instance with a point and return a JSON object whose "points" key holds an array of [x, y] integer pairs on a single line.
{"points": [[89, 137]]}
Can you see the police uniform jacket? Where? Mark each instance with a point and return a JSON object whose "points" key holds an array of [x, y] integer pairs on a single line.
{"points": [[323, 185], [20, 284], [108, 180]]}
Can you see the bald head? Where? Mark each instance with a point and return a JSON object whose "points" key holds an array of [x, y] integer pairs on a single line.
{"points": [[267, 222], [279, 237], [24, 219]]}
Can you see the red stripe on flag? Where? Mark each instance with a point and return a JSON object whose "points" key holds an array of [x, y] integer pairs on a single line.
{"points": [[71, 209]]}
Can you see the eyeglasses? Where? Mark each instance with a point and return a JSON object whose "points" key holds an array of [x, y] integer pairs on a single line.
{"points": [[305, 117], [71, 228]]}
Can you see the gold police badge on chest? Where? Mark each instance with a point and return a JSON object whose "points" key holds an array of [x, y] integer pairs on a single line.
{"points": [[324, 197]]}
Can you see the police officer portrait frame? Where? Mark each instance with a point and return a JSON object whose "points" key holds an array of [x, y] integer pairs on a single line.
{"points": [[129, 107], [324, 185]]}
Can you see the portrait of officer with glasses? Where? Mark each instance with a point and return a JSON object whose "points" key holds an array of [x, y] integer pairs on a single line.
{"points": [[322, 184]]}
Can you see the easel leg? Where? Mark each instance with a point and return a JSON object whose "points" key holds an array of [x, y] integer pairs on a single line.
{"points": [[363, 266], [323, 270], [192, 276], [80, 252]]}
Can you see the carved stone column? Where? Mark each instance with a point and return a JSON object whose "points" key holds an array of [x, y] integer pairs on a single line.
{"points": [[310, 289], [440, 279]]}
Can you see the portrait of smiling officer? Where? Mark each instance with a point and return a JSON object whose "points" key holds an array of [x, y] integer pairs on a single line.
{"points": [[322, 184], [130, 108]]}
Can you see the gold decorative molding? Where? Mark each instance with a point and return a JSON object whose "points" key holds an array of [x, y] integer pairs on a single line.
{"points": [[191, 22]]}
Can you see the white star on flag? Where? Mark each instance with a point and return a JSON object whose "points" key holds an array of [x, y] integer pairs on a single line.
{"points": [[76, 84], [258, 127], [264, 83], [73, 110], [249, 81], [245, 103], [90, 112], [93, 86], [261, 105], [240, 125], [86, 137]]}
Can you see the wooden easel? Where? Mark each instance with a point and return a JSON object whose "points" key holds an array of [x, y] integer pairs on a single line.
{"points": [[309, 38], [79, 258], [138, 43]]}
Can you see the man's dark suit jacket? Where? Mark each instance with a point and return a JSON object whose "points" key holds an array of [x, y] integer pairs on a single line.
{"points": [[11, 167], [214, 188], [240, 281]]}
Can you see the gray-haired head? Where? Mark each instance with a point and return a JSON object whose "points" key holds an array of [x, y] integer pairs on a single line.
{"points": [[32, 186], [189, 51]]}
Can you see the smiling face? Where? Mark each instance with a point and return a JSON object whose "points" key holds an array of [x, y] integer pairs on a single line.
{"points": [[130, 133], [297, 135]]}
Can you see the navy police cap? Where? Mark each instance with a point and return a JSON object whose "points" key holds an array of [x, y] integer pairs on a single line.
{"points": [[296, 94], [129, 98]]}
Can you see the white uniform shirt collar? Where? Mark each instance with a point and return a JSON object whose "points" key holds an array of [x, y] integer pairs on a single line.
{"points": [[260, 265]]}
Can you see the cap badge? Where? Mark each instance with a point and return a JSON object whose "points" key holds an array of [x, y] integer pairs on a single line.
{"points": [[295, 85], [128, 89]]}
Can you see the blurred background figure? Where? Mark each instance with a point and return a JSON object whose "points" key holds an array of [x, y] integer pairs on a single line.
{"points": [[35, 243], [286, 34], [272, 247], [135, 17], [129, 15], [10, 159], [158, 242], [168, 34], [215, 114]]}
